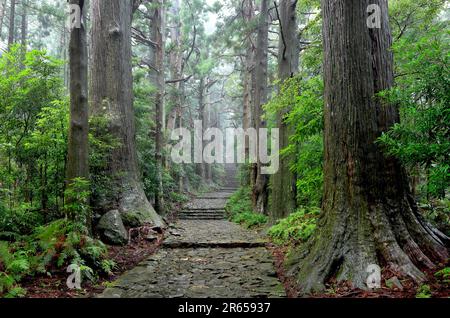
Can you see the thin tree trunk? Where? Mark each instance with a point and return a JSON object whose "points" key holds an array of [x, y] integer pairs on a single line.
{"points": [[369, 215], [284, 181], [24, 26], [208, 124], [176, 92], [78, 145], [202, 117], [2, 15], [12, 25], [158, 25], [63, 52], [248, 16], [112, 98], [260, 188]]}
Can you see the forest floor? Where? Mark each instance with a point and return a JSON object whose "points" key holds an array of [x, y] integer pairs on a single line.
{"points": [[204, 256], [408, 289], [201, 255]]}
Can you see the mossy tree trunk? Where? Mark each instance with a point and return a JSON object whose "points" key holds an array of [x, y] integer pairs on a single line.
{"points": [[112, 99], [369, 216]]}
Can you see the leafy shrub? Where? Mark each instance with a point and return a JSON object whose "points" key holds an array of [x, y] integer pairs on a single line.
{"points": [[422, 94], [49, 247], [444, 275], [250, 220], [13, 266], [240, 210], [298, 227], [424, 291], [19, 220], [302, 102], [77, 206]]}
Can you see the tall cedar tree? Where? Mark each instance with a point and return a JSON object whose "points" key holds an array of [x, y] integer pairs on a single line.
{"points": [[369, 215], [158, 30], [112, 98], [284, 181], [260, 194], [78, 145]]}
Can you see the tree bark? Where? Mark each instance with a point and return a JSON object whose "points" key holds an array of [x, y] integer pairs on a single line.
{"points": [[158, 26], [78, 144], [112, 99], [201, 167], [260, 184], [248, 16], [284, 181], [24, 26], [176, 92], [12, 25], [2, 16], [369, 216]]}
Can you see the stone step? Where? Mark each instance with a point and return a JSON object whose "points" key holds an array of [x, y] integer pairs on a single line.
{"points": [[204, 217], [225, 245], [203, 213], [203, 209], [214, 198]]}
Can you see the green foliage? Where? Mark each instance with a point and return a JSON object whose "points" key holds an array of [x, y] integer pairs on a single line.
{"points": [[101, 144], [302, 101], [22, 219], [422, 138], [13, 266], [249, 219], [240, 210], [33, 138], [144, 114], [296, 228], [444, 275], [53, 246], [410, 18], [424, 291], [77, 202]]}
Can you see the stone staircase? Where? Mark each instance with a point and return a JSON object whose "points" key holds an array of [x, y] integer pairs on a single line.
{"points": [[203, 214], [211, 206]]}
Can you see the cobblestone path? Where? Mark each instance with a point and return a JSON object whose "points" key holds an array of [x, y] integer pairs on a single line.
{"points": [[204, 257]]}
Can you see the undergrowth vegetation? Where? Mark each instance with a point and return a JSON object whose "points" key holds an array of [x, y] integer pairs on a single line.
{"points": [[296, 228], [240, 210], [48, 249]]}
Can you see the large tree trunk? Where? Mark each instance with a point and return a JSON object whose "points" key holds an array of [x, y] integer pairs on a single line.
{"points": [[284, 181], [158, 26], [369, 215], [260, 182], [12, 25], [78, 144], [112, 98]]}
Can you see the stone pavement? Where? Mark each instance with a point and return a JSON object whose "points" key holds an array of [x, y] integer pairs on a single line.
{"points": [[204, 257]]}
